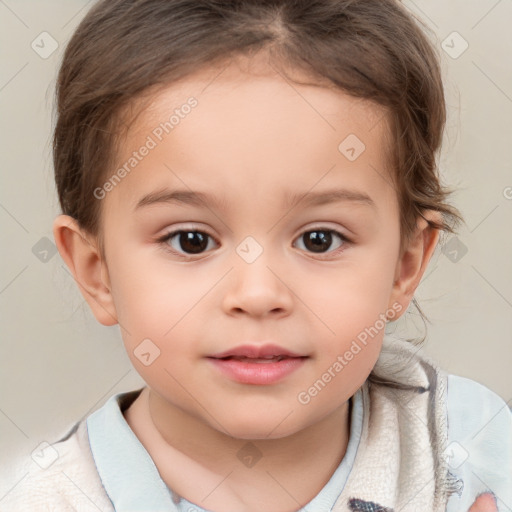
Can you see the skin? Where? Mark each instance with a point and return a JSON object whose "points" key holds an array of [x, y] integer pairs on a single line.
{"points": [[252, 139], [486, 502]]}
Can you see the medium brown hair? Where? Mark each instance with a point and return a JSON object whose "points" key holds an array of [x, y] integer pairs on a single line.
{"points": [[370, 49]]}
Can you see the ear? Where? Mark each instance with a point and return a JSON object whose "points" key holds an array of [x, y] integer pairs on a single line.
{"points": [[81, 254], [413, 261]]}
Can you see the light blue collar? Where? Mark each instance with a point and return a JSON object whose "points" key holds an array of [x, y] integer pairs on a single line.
{"points": [[133, 482]]}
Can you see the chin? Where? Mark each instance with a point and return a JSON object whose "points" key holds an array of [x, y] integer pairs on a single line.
{"points": [[258, 434], [258, 427]]}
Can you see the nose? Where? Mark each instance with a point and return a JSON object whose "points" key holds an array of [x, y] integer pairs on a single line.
{"points": [[258, 289]]}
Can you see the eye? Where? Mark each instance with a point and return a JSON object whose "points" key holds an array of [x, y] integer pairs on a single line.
{"points": [[321, 240], [187, 241]]}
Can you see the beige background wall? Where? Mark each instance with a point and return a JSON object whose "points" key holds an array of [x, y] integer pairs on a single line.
{"points": [[57, 363]]}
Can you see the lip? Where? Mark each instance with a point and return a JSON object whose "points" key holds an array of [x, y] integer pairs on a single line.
{"points": [[281, 363], [256, 351]]}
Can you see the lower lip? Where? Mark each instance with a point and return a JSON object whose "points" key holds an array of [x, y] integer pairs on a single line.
{"points": [[258, 373]]}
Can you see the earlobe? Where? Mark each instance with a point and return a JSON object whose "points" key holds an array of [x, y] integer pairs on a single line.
{"points": [[414, 261], [83, 258]]}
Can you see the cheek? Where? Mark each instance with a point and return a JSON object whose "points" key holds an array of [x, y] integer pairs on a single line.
{"points": [[146, 287], [348, 334], [351, 306], [352, 299]]}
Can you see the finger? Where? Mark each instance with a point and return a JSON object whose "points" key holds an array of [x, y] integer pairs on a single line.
{"points": [[486, 502]]}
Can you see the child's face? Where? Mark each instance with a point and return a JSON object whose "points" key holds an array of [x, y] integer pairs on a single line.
{"points": [[250, 145]]}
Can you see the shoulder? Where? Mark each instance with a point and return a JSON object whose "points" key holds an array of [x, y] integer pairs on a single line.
{"points": [[472, 405], [479, 450], [60, 476]]}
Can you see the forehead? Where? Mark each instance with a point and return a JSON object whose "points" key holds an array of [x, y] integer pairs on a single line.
{"points": [[251, 126]]}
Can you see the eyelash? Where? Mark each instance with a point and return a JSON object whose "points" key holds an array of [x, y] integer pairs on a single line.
{"points": [[164, 241]]}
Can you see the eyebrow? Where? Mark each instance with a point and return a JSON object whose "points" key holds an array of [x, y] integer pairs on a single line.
{"points": [[328, 196], [196, 198], [190, 197]]}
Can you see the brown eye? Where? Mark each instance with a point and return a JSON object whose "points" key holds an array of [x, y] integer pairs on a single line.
{"points": [[321, 240], [189, 242]]}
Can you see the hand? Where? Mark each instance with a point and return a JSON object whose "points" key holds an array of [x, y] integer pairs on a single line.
{"points": [[486, 502]]}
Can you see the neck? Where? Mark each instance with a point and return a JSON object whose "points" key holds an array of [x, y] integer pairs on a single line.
{"points": [[212, 469]]}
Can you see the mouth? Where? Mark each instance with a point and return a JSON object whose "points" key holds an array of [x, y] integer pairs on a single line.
{"points": [[262, 360], [257, 365], [259, 353]]}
